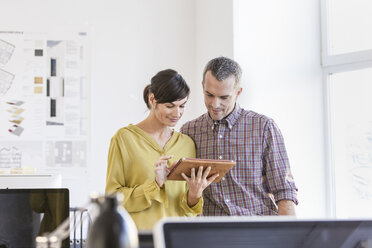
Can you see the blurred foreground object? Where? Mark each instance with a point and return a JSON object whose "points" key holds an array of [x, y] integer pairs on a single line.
{"points": [[112, 228]]}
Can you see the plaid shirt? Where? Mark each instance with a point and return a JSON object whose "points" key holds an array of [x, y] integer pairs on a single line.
{"points": [[262, 172]]}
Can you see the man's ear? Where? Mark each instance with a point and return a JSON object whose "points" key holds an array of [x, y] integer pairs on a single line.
{"points": [[239, 91]]}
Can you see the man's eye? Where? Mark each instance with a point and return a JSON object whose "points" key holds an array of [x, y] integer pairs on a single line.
{"points": [[169, 107], [182, 106]]}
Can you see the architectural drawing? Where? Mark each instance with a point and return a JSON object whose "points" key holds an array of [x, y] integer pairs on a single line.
{"points": [[56, 51], [66, 154], [10, 157], [6, 51], [6, 80]]}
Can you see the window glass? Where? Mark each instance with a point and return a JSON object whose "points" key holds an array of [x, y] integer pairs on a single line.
{"points": [[349, 26], [351, 138]]}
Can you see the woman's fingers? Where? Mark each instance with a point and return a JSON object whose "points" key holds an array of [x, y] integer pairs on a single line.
{"points": [[212, 178], [200, 173], [163, 160], [206, 172], [202, 179], [158, 169], [167, 157], [185, 177], [193, 174], [161, 170]]}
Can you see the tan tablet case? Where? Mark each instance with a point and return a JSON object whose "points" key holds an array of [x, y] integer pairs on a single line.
{"points": [[185, 165]]}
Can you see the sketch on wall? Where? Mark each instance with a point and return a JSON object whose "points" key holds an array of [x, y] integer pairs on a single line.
{"points": [[6, 80], [10, 157], [44, 100], [6, 51]]}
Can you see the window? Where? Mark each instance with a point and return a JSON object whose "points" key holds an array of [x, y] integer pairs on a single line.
{"points": [[347, 69]]}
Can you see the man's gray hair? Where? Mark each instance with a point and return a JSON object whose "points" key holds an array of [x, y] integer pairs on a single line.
{"points": [[222, 68]]}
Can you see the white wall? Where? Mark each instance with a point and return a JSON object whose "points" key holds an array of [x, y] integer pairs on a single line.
{"points": [[277, 44], [131, 41], [214, 37]]}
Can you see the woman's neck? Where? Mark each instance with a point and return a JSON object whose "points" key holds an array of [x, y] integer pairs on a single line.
{"points": [[158, 131]]}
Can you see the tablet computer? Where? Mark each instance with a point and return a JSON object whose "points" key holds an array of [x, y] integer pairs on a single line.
{"points": [[184, 165]]}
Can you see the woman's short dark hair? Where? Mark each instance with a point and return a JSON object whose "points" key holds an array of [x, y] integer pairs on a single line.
{"points": [[167, 86]]}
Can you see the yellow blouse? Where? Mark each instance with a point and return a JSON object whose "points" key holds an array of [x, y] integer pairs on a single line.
{"points": [[130, 170]]}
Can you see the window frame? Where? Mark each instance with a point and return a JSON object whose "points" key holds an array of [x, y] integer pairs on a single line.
{"points": [[334, 64]]}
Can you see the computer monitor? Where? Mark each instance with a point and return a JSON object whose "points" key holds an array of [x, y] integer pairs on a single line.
{"points": [[27, 213], [264, 232]]}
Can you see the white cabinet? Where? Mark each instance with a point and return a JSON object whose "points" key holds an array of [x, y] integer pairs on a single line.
{"points": [[26, 181]]}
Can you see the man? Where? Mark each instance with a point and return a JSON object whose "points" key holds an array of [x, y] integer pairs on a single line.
{"points": [[261, 182]]}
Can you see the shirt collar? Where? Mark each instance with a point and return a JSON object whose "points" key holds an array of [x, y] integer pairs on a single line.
{"points": [[230, 120]]}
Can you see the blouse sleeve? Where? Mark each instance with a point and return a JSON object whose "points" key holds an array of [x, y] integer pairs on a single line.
{"points": [[190, 211], [136, 198], [198, 208]]}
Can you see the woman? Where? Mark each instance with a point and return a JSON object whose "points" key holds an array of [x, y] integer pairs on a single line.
{"points": [[140, 154]]}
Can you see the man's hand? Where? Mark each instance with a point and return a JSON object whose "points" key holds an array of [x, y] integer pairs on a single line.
{"points": [[286, 207]]}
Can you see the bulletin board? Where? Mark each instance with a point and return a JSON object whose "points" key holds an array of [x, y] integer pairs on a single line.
{"points": [[44, 101]]}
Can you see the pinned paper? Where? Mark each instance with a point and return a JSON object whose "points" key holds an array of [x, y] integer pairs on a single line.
{"points": [[38, 90], [38, 80]]}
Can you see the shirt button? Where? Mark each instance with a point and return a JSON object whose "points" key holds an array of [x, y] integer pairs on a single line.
{"points": [[227, 200], [223, 178], [221, 136], [220, 157]]}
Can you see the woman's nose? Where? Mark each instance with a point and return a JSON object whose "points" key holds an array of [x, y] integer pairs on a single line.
{"points": [[177, 112]]}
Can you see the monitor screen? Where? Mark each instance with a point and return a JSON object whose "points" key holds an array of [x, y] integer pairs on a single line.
{"points": [[264, 234], [27, 213]]}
